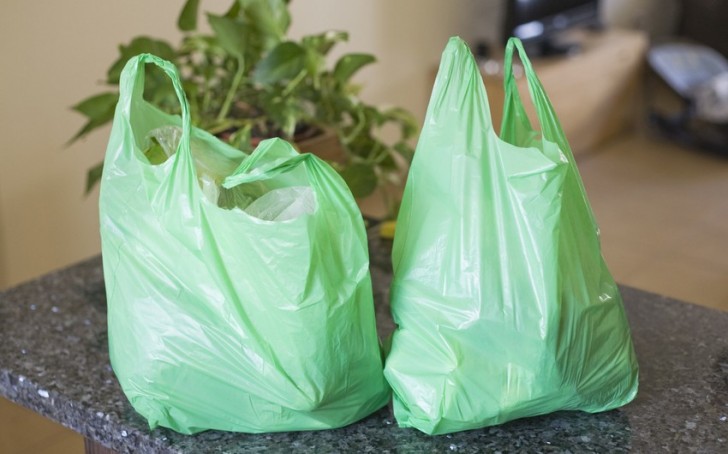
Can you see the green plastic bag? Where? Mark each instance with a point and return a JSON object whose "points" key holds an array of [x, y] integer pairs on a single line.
{"points": [[503, 304], [219, 319]]}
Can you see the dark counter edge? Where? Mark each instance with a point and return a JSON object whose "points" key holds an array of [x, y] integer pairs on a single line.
{"points": [[87, 421], [49, 403]]}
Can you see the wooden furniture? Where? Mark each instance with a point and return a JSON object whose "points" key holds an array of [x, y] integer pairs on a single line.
{"points": [[595, 91]]}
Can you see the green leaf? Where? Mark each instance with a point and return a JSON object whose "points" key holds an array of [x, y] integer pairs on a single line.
{"points": [[87, 128], [349, 64], [285, 61], [234, 10], [270, 18], [187, 20], [404, 150], [232, 34], [360, 178], [405, 119], [140, 45], [373, 116], [93, 176], [158, 90], [99, 109], [317, 46], [323, 42], [98, 105], [283, 113], [240, 139], [155, 153]]}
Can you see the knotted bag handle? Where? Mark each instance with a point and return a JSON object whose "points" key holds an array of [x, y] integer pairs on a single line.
{"points": [[280, 157], [308, 160]]}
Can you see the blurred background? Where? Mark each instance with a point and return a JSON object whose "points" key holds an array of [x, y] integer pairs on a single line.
{"points": [[662, 205], [58, 54]]}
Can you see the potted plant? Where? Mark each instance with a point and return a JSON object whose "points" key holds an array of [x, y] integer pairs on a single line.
{"points": [[247, 81]]}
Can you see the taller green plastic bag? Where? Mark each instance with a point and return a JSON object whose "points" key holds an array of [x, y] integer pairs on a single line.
{"points": [[503, 304], [218, 319]]}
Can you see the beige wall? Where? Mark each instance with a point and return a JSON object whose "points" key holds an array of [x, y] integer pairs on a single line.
{"points": [[407, 36], [56, 53]]}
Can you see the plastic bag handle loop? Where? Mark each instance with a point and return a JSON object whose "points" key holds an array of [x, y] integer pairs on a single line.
{"points": [[131, 90], [549, 122], [550, 126], [280, 156], [321, 176], [458, 85]]}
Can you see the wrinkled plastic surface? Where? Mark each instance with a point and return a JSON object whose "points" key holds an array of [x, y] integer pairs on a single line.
{"points": [[219, 319], [283, 204], [280, 204], [503, 304]]}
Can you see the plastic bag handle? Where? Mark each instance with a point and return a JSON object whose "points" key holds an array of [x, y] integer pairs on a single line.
{"points": [[321, 176], [131, 89], [286, 166], [550, 125], [458, 85], [286, 159]]}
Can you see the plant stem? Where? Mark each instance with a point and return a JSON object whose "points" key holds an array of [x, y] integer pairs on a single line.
{"points": [[207, 92], [378, 154], [233, 88], [292, 85], [357, 129]]}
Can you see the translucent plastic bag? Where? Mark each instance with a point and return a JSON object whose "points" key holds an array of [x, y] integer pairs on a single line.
{"points": [[219, 319], [503, 304], [280, 204]]}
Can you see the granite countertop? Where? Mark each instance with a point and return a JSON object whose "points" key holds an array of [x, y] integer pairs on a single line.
{"points": [[54, 360]]}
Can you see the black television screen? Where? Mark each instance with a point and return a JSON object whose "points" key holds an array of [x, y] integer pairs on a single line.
{"points": [[537, 22]]}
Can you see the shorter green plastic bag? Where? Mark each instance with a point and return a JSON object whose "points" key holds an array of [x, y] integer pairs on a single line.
{"points": [[238, 287], [503, 304]]}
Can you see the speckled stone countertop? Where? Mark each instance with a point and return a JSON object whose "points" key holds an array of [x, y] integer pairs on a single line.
{"points": [[54, 360]]}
